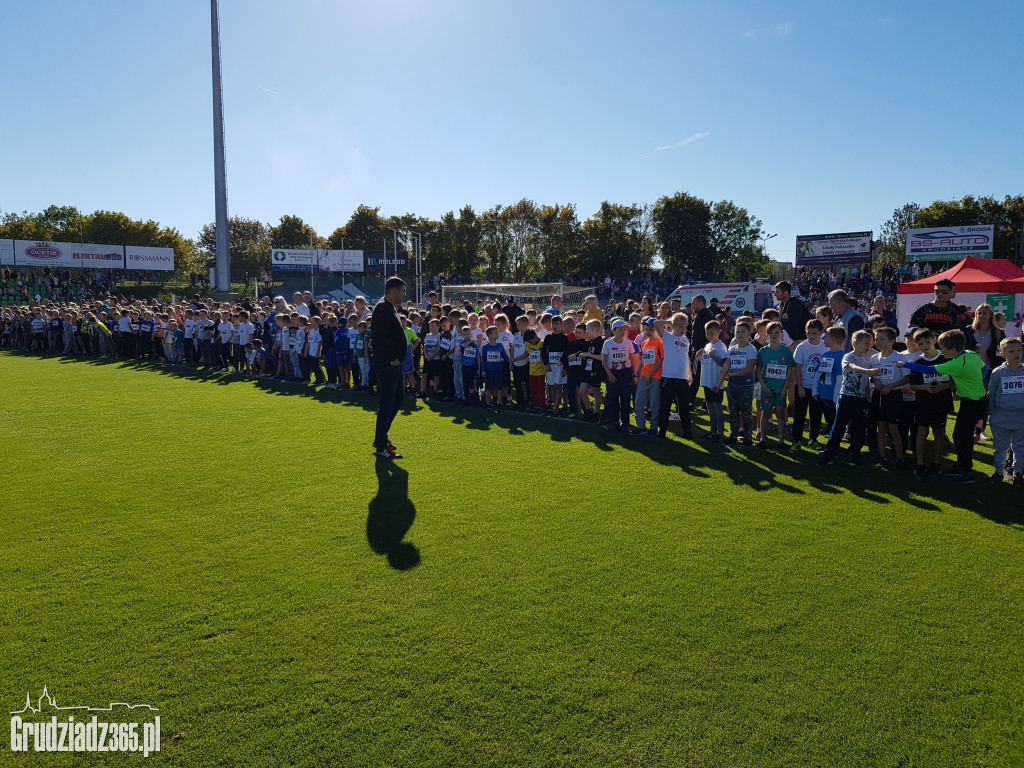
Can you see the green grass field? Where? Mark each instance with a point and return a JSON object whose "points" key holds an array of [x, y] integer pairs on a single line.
{"points": [[516, 592]]}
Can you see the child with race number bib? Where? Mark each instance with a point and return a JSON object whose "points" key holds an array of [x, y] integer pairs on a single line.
{"points": [[675, 376], [616, 354], [774, 371], [538, 394], [648, 388], [521, 363], [714, 368], [470, 366], [808, 356], [742, 361], [887, 398], [932, 405], [1006, 410], [553, 349], [574, 366], [830, 366], [852, 407], [593, 370], [494, 360], [967, 370]]}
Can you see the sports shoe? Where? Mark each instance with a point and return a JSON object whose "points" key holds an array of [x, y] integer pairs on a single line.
{"points": [[934, 470], [984, 438], [883, 464], [977, 438], [825, 459], [920, 471], [384, 455], [961, 478], [392, 452], [637, 431], [952, 472]]}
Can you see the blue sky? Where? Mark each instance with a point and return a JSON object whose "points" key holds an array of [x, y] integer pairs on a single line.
{"points": [[817, 117]]}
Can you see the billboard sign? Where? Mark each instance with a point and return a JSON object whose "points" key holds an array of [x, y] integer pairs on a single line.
{"points": [[838, 248], [6, 252], [341, 261], [90, 256], [375, 262], [31, 253], [149, 258], [293, 259], [950, 243]]}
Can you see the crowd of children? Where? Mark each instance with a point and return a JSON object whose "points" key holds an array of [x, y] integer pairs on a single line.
{"points": [[626, 371]]}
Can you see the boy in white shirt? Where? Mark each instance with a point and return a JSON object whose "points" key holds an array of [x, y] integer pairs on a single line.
{"points": [[713, 370], [887, 397], [313, 343], [808, 357], [742, 361], [675, 376]]}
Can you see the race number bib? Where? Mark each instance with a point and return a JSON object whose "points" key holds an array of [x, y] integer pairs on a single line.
{"points": [[648, 357], [469, 352], [554, 358], [534, 355], [888, 372], [359, 344], [494, 357], [446, 344], [590, 365], [1012, 386], [617, 356], [825, 365], [775, 371], [812, 365], [576, 361], [938, 378], [737, 361]]}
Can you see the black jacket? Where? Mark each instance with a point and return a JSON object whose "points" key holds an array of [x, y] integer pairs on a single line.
{"points": [[387, 334]]}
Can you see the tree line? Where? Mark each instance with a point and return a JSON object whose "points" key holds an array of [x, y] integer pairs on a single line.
{"points": [[524, 241]]}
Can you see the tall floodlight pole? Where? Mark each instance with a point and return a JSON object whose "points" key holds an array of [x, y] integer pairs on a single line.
{"points": [[223, 261]]}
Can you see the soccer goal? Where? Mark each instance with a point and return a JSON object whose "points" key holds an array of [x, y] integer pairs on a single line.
{"points": [[528, 295]]}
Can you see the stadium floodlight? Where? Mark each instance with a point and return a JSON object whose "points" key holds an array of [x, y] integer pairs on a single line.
{"points": [[223, 252]]}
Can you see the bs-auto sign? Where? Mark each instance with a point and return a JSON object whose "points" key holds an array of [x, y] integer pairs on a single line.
{"points": [[950, 243]]}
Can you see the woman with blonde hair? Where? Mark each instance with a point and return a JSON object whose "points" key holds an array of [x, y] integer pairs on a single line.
{"points": [[984, 337]]}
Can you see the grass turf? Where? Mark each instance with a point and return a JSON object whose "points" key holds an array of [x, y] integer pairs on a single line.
{"points": [[517, 592]]}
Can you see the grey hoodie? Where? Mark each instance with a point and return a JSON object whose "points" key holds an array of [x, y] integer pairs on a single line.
{"points": [[1006, 397]]}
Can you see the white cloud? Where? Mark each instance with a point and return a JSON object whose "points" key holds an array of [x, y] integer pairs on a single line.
{"points": [[684, 142], [779, 30]]}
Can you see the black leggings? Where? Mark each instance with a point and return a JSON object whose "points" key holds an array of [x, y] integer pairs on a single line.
{"points": [[678, 391], [963, 431], [800, 408]]}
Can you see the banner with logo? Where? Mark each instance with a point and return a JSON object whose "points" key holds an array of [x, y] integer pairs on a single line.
{"points": [[293, 259], [30, 253], [6, 252], [91, 256], [376, 263], [838, 248], [950, 243], [341, 261], [148, 258]]}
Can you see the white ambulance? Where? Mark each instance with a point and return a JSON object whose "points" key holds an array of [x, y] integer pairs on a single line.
{"points": [[739, 297]]}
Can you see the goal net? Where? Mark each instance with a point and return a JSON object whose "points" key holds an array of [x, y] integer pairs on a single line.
{"points": [[528, 295]]}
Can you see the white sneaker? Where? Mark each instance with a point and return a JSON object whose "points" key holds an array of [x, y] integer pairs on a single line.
{"points": [[984, 438], [673, 416]]}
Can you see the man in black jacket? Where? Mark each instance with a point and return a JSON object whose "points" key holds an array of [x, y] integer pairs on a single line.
{"points": [[389, 344], [794, 312], [698, 338]]}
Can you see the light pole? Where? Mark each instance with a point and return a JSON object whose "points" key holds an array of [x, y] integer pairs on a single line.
{"points": [[384, 265], [395, 233], [764, 242], [223, 253], [417, 247]]}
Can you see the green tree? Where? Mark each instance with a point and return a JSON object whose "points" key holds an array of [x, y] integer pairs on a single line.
{"points": [[682, 224], [248, 244], [733, 238], [1006, 215], [293, 232], [892, 235], [559, 235], [363, 231]]}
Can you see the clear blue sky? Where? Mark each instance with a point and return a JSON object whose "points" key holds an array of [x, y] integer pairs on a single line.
{"points": [[817, 117]]}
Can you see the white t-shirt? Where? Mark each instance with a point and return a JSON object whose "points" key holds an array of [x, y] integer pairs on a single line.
{"points": [[190, 328], [739, 359], [891, 373], [808, 356], [710, 368], [298, 340], [302, 309], [124, 324], [226, 331], [677, 356], [505, 339], [618, 353], [243, 333], [314, 343], [432, 345], [519, 348]]}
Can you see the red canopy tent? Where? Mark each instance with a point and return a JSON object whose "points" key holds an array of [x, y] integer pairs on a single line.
{"points": [[973, 275], [976, 279]]}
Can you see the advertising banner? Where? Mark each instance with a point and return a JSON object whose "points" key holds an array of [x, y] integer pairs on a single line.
{"points": [[950, 243], [90, 256], [30, 253], [6, 252], [341, 261], [375, 262], [147, 257], [838, 248], [293, 259]]}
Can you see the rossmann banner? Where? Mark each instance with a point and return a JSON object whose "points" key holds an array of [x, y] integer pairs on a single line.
{"points": [[148, 258], [950, 243], [837, 248], [28, 253]]}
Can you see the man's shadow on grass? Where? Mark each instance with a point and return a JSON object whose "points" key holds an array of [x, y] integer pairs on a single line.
{"points": [[391, 515]]}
